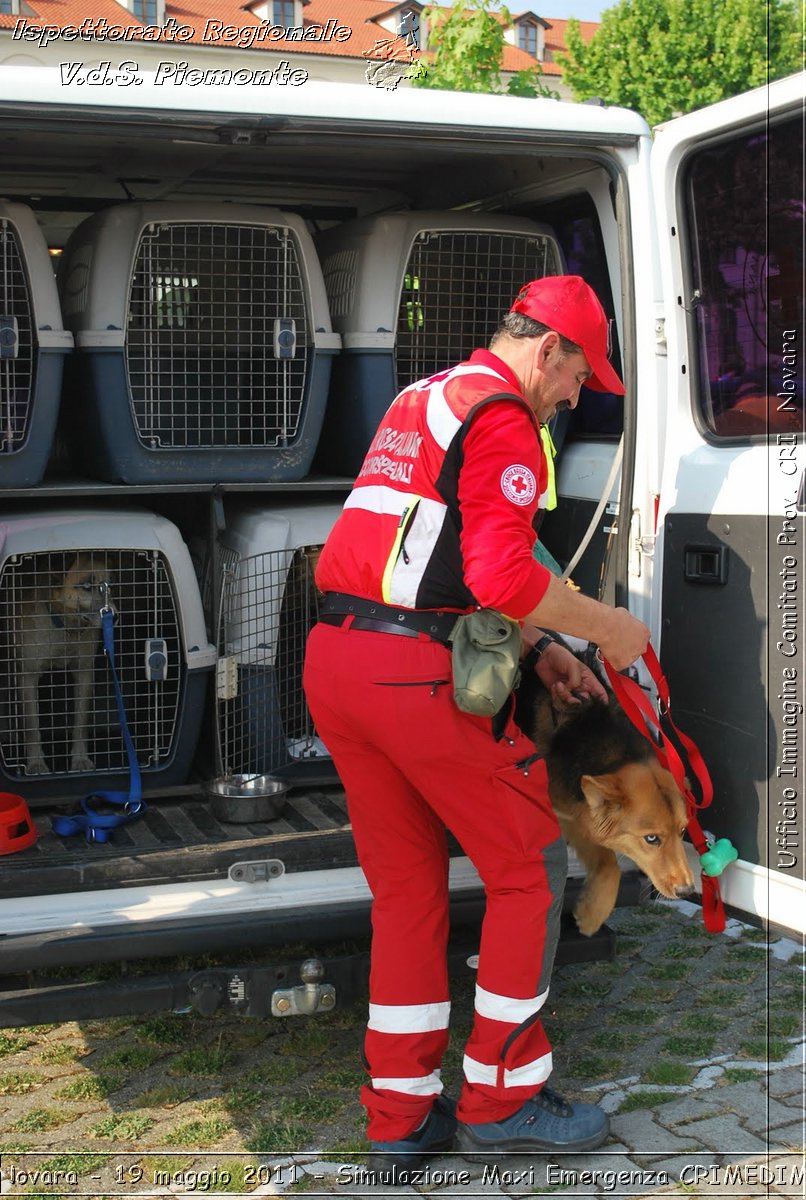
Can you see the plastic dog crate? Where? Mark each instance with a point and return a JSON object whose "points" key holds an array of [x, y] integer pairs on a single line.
{"points": [[269, 603], [59, 728], [33, 346], [204, 344], [411, 294]]}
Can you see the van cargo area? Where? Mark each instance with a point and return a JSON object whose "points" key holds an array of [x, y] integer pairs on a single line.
{"points": [[241, 286]]}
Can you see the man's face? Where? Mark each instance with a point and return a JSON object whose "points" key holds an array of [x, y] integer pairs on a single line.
{"points": [[556, 382]]}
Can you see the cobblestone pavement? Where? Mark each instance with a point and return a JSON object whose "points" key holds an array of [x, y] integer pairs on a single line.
{"points": [[692, 1042], [736, 1129]]}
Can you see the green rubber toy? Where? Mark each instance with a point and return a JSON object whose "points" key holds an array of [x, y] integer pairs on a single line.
{"points": [[717, 858]]}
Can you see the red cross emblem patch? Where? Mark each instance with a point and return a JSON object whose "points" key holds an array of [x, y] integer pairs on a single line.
{"points": [[518, 484]]}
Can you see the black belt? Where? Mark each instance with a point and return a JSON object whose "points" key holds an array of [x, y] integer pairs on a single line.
{"points": [[371, 615]]}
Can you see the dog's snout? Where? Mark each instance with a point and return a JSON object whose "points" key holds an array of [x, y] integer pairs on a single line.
{"points": [[683, 889]]}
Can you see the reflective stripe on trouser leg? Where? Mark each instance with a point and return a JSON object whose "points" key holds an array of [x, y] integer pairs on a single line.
{"points": [[508, 1055]]}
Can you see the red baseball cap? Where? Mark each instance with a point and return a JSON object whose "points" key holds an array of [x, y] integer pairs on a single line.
{"points": [[567, 305]]}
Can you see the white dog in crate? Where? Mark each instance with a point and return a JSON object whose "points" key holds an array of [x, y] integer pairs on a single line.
{"points": [[58, 627]]}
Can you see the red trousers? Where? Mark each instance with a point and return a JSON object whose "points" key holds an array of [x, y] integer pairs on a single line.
{"points": [[413, 764]]}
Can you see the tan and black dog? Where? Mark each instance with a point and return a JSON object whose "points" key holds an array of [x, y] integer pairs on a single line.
{"points": [[611, 796], [58, 629]]}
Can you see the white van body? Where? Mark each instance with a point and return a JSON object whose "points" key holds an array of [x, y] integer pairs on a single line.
{"points": [[691, 517]]}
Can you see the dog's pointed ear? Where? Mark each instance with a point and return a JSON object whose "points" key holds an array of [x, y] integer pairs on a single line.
{"points": [[601, 791]]}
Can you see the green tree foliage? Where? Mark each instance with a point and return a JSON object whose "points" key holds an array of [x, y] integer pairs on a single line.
{"points": [[465, 44], [665, 57]]}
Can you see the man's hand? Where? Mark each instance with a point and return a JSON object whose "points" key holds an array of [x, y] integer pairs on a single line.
{"points": [[626, 639], [568, 680]]}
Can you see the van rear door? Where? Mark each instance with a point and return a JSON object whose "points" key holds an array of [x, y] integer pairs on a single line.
{"points": [[730, 533]]}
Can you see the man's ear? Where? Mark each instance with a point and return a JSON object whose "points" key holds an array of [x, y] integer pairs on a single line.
{"points": [[549, 348]]}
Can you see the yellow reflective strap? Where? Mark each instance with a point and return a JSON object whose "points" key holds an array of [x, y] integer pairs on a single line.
{"points": [[406, 518], [549, 451]]}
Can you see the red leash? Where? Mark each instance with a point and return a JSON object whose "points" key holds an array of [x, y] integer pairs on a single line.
{"points": [[637, 707]]}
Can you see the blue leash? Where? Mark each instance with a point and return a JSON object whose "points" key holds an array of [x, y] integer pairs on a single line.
{"points": [[98, 827]]}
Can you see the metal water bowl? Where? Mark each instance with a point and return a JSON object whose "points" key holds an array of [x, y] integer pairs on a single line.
{"points": [[244, 799]]}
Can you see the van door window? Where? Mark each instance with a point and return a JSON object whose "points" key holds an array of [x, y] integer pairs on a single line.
{"points": [[745, 217]]}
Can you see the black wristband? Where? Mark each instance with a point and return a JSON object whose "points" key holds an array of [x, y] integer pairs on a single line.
{"points": [[529, 660]]}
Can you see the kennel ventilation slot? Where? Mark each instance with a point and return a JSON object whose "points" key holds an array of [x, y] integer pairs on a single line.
{"points": [[51, 653], [269, 603], [411, 294], [204, 341], [32, 349]]}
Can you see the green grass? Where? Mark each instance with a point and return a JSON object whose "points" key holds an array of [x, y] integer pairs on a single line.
{"points": [[309, 1039], [614, 1039], [672, 970], [639, 1100], [786, 998], [594, 1066], [683, 950], [167, 1164], [201, 1060], [707, 1022], [90, 1087], [759, 935], [271, 1137], [64, 1052], [733, 972], [109, 1027], [166, 1095], [598, 988], [668, 1073], [12, 1043], [37, 1120], [308, 1107], [779, 1025], [17, 1083], [132, 1058], [689, 1045], [694, 930], [126, 1127], [741, 1074], [756, 954], [237, 1184], [245, 1097], [720, 997], [773, 1049], [277, 1071], [198, 1133], [634, 1017], [82, 1164], [166, 1030], [352, 1075]]}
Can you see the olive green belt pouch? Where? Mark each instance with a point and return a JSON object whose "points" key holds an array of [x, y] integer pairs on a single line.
{"points": [[486, 648]]}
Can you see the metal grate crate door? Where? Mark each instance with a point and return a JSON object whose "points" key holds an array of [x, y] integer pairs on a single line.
{"points": [[17, 357], [217, 337], [269, 604], [456, 288], [59, 715]]}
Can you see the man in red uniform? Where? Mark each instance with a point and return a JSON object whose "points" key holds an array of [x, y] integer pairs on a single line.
{"points": [[439, 522]]}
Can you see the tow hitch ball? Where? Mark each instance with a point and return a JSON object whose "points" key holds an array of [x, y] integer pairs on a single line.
{"points": [[310, 996]]}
